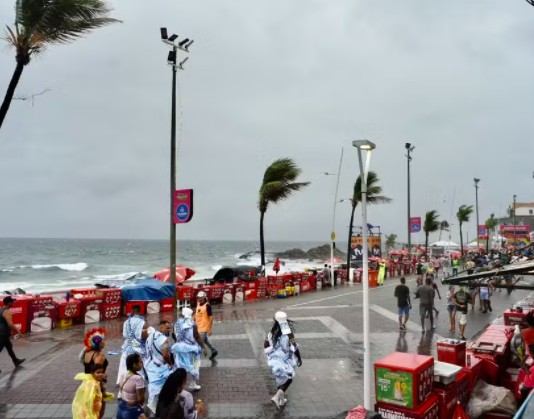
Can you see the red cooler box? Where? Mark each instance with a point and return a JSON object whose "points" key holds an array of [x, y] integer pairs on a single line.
{"points": [[447, 400], [42, 299], [68, 309], [21, 322], [91, 310], [86, 292], [109, 295], [128, 305], [41, 318], [512, 318], [20, 307], [216, 292], [452, 351], [166, 304], [404, 379], [428, 410], [111, 311], [251, 290]]}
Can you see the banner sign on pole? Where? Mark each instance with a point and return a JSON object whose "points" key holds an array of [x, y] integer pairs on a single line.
{"points": [[374, 244], [183, 206], [415, 224], [482, 232], [519, 233]]}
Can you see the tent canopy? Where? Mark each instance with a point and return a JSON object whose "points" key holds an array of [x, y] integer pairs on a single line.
{"points": [[444, 243]]}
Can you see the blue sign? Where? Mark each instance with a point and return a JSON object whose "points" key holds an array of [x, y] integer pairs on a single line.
{"points": [[182, 212], [416, 228]]}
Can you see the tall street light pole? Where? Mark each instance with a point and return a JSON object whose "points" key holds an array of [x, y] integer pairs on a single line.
{"points": [[333, 234], [515, 196], [183, 45], [409, 149], [476, 204], [368, 146]]}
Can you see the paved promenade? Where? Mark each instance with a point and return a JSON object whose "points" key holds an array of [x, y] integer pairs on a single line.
{"points": [[239, 384]]}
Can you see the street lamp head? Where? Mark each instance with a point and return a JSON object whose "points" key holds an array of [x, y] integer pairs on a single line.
{"points": [[185, 41], [164, 35], [409, 147], [173, 38], [364, 145], [171, 58], [476, 180], [186, 47]]}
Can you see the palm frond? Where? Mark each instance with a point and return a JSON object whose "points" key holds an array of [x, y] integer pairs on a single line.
{"points": [[373, 191], [464, 213], [431, 222]]}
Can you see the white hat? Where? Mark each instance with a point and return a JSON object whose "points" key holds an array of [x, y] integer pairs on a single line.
{"points": [[187, 312], [280, 316], [201, 294]]}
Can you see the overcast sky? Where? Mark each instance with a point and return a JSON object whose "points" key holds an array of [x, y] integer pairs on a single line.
{"points": [[270, 79]]}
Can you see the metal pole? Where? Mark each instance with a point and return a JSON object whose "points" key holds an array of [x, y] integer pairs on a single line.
{"points": [[333, 235], [173, 174], [476, 202], [365, 280], [409, 213], [515, 196]]}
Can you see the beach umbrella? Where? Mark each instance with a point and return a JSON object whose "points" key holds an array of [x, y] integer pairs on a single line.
{"points": [[276, 266], [182, 274], [395, 253], [335, 260]]}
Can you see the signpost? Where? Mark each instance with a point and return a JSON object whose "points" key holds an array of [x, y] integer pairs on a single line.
{"points": [[415, 224], [482, 232], [183, 206]]}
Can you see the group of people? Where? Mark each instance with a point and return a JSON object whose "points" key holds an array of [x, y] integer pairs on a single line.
{"points": [[148, 365], [158, 375]]}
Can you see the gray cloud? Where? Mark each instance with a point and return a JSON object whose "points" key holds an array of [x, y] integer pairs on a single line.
{"points": [[266, 80]]}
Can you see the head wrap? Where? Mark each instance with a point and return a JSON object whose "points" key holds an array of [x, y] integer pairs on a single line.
{"points": [[201, 294], [280, 316], [93, 338], [187, 312]]}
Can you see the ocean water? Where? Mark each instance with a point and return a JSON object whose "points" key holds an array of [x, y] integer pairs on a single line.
{"points": [[38, 265]]}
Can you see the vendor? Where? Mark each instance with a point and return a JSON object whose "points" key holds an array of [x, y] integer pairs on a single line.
{"points": [[527, 334]]}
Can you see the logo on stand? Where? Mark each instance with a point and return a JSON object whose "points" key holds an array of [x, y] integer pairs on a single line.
{"points": [[415, 224], [183, 206]]}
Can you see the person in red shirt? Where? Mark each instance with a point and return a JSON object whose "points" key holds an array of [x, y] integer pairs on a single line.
{"points": [[527, 334]]}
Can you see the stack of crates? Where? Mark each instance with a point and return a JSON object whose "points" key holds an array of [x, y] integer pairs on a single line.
{"points": [[403, 384]]}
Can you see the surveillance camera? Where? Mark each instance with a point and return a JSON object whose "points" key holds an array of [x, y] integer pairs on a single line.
{"points": [[173, 37], [408, 145], [185, 41]]}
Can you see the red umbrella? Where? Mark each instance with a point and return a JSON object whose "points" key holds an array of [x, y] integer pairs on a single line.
{"points": [[336, 260], [182, 274], [276, 266], [395, 253]]}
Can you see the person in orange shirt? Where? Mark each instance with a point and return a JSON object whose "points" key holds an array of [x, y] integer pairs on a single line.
{"points": [[204, 321]]}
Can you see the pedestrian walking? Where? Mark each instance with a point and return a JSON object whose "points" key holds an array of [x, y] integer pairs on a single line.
{"points": [[135, 333], [6, 327], [402, 292], [462, 300], [382, 272], [188, 347], [485, 296], [326, 275], [425, 293], [282, 355], [204, 321], [132, 390], [473, 293], [436, 291], [175, 402], [446, 267], [158, 363], [437, 265], [451, 308], [455, 266]]}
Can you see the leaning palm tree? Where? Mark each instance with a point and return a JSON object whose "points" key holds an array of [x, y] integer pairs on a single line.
{"points": [[391, 241], [278, 184], [443, 226], [41, 23], [373, 197], [463, 217], [430, 225]]}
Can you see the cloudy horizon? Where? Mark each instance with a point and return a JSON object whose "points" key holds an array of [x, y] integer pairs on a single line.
{"points": [[267, 80]]}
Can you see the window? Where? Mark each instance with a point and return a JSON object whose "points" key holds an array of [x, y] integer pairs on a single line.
{"points": [[531, 212]]}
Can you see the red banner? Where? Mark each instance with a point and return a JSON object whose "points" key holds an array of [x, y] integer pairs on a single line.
{"points": [[482, 232], [183, 206], [415, 224]]}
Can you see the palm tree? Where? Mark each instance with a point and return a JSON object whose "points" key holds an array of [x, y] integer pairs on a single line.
{"points": [[39, 24], [463, 217], [443, 226], [491, 223], [278, 184], [430, 225], [391, 241], [373, 197]]}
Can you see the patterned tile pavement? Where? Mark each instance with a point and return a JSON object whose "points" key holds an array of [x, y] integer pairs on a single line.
{"points": [[239, 385]]}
